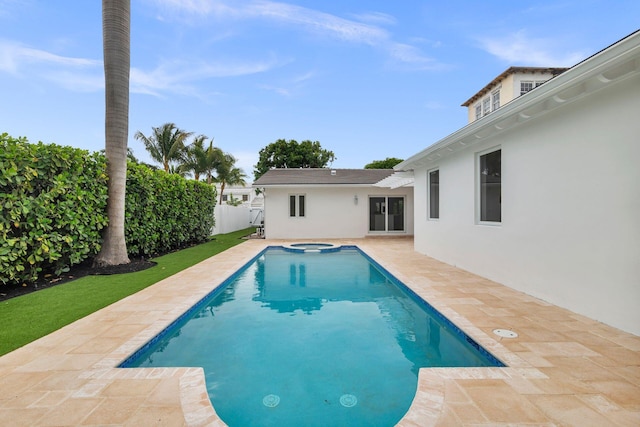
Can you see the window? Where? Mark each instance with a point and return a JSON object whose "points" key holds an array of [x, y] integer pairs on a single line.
{"points": [[224, 197], [434, 194], [490, 186], [478, 110], [495, 100], [245, 197], [486, 106], [296, 205], [525, 87]]}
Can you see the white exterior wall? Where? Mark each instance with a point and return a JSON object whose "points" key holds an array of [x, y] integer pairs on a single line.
{"points": [[570, 231], [330, 212]]}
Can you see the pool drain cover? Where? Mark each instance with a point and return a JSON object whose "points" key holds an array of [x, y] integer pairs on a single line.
{"points": [[271, 400], [348, 400], [505, 333]]}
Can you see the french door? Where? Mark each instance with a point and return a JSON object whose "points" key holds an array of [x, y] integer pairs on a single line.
{"points": [[386, 213]]}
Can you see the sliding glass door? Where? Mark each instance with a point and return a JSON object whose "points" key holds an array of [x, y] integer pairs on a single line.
{"points": [[386, 213]]}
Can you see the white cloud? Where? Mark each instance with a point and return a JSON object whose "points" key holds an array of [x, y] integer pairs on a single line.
{"points": [[291, 87], [87, 75], [367, 32], [408, 54], [179, 76], [520, 49], [376, 18], [318, 22], [77, 74], [14, 56]]}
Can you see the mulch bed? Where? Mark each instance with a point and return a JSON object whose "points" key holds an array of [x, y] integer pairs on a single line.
{"points": [[77, 271]]}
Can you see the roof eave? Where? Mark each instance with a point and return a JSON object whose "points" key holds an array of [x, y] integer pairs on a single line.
{"points": [[618, 62]]}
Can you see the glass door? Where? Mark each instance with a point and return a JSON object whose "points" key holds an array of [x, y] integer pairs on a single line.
{"points": [[386, 213]]}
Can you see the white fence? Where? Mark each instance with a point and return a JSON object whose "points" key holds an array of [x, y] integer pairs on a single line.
{"points": [[231, 218]]}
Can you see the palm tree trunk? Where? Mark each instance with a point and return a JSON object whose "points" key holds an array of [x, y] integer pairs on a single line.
{"points": [[222, 185], [116, 27]]}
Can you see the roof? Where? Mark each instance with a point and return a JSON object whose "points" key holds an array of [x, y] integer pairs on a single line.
{"points": [[618, 62], [323, 176], [397, 180], [506, 73]]}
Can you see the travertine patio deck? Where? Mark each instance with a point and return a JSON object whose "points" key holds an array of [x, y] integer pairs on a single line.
{"points": [[564, 368]]}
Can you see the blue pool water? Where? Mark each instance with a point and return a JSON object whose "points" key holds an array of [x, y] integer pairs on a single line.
{"points": [[311, 339]]}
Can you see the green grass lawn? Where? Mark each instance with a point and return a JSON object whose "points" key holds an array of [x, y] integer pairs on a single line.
{"points": [[26, 318]]}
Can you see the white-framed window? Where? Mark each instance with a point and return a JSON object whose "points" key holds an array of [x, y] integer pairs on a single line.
{"points": [[495, 100], [526, 86], [433, 193], [224, 198], [486, 106], [490, 186], [478, 110], [296, 205]]}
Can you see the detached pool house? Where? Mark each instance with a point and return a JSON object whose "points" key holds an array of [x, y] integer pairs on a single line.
{"points": [[335, 203]]}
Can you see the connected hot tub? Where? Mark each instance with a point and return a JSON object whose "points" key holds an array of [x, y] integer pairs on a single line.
{"points": [[311, 247]]}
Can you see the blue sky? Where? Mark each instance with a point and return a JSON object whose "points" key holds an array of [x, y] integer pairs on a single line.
{"points": [[368, 79]]}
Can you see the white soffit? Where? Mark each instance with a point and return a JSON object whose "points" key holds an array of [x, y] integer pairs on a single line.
{"points": [[396, 180]]}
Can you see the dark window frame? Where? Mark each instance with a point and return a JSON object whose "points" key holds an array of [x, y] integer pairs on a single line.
{"points": [[433, 191], [490, 186]]}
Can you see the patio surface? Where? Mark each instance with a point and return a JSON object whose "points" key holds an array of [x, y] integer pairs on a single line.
{"points": [[563, 368]]}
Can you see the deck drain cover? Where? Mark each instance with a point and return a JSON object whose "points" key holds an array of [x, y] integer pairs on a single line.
{"points": [[271, 400], [505, 333], [348, 400]]}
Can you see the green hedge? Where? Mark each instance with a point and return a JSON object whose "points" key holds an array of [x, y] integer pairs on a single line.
{"points": [[165, 211], [53, 208]]}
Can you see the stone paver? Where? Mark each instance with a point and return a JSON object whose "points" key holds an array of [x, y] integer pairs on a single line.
{"points": [[562, 369]]}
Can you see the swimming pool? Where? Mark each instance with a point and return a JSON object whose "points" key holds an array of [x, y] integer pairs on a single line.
{"points": [[311, 339]]}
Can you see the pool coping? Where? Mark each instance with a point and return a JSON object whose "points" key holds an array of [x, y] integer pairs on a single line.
{"points": [[193, 385], [45, 382]]}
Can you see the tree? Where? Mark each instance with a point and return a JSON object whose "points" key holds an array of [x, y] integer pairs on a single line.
{"points": [[165, 144], [291, 154], [116, 29], [130, 155], [194, 157], [387, 163], [228, 173], [213, 158]]}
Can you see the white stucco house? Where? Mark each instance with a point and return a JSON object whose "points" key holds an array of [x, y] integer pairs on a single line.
{"points": [[543, 194], [314, 203]]}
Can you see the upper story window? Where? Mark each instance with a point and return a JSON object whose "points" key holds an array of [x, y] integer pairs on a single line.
{"points": [[526, 86], [495, 100], [224, 198], [486, 106], [434, 194], [296, 205], [245, 197], [490, 186], [478, 110]]}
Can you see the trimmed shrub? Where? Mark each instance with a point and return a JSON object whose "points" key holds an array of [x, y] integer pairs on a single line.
{"points": [[165, 212], [52, 207]]}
